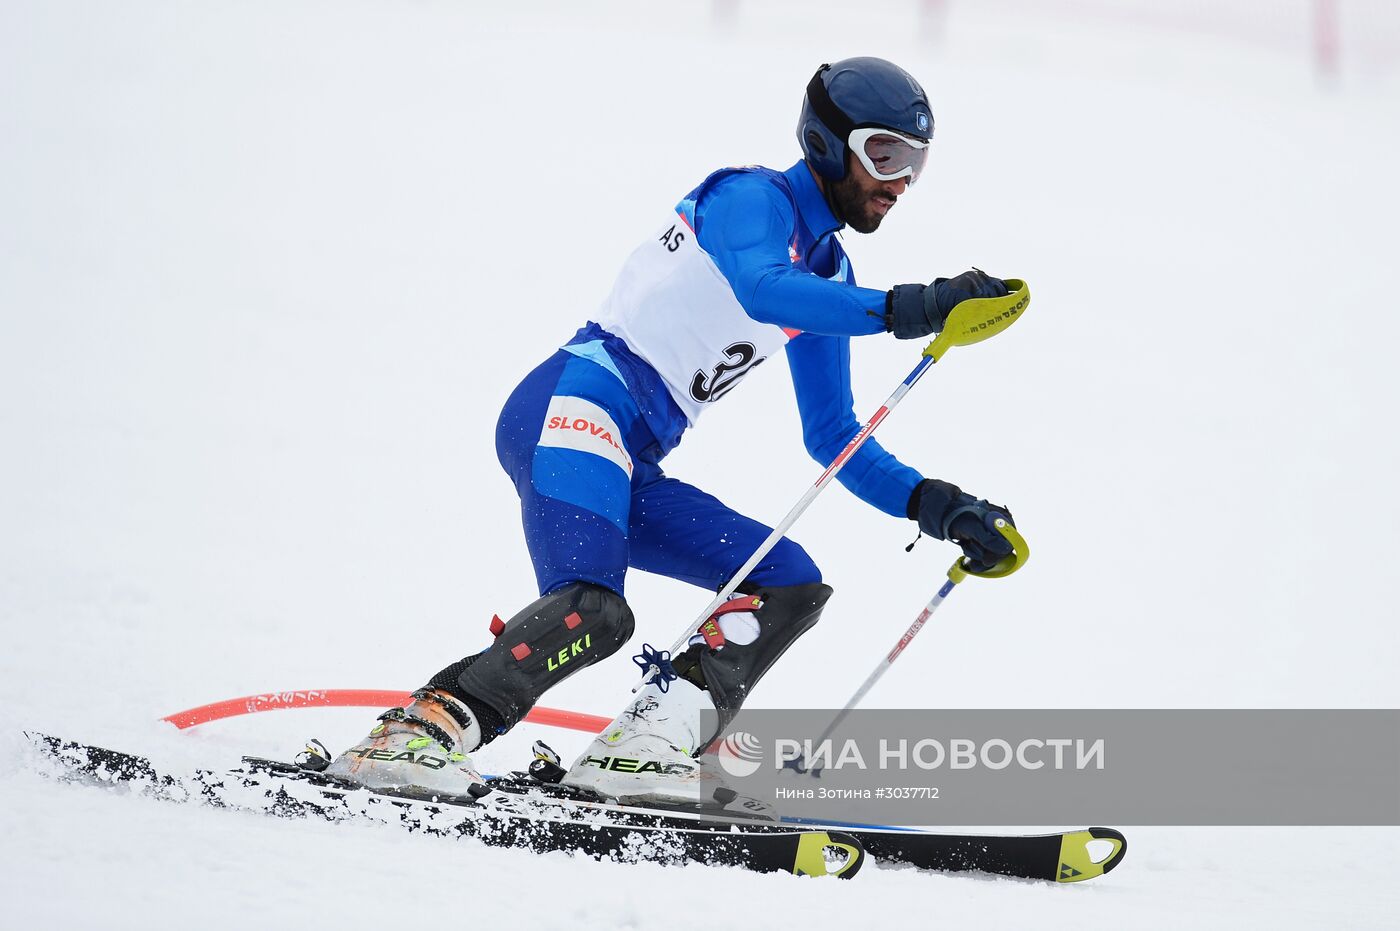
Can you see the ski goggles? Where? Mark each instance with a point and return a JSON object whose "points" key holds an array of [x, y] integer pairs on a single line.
{"points": [[888, 155]]}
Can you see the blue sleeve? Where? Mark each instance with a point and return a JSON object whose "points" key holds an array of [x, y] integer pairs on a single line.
{"points": [[745, 224], [821, 376]]}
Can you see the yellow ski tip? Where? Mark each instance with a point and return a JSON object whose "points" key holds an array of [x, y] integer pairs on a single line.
{"points": [[1089, 853], [812, 859]]}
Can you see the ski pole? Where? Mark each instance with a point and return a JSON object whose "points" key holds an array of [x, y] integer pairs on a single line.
{"points": [[969, 322], [959, 571]]}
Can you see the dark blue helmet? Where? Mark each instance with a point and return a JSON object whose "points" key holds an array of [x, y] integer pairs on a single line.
{"points": [[858, 92]]}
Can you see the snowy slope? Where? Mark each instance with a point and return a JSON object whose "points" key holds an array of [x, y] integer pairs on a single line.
{"points": [[267, 271]]}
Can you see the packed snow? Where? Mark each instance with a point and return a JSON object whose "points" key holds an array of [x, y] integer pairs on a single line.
{"points": [[268, 270]]}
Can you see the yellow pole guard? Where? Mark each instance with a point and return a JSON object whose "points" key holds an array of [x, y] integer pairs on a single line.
{"points": [[1020, 552], [979, 318]]}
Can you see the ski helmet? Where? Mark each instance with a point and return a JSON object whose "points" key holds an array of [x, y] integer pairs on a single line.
{"points": [[854, 93]]}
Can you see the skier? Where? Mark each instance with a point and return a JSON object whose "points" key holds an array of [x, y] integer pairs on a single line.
{"points": [[746, 264]]}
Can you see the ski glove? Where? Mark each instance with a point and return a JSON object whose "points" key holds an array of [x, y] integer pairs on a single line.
{"points": [[945, 511], [915, 310]]}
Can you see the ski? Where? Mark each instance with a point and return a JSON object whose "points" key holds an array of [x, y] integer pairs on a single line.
{"points": [[521, 810], [1068, 856], [283, 790]]}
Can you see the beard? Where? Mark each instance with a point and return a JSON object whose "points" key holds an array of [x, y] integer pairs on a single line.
{"points": [[853, 205]]}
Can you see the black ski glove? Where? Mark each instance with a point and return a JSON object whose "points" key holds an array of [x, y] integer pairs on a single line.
{"points": [[915, 310], [945, 511]]}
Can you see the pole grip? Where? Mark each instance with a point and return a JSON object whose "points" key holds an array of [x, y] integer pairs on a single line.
{"points": [[1020, 552], [979, 318]]}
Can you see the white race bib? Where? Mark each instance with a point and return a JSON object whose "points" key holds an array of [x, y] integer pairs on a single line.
{"points": [[673, 307]]}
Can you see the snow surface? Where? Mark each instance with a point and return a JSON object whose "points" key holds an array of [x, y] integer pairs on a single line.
{"points": [[268, 269]]}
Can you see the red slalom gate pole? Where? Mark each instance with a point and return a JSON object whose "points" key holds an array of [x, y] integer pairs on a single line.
{"points": [[357, 698]]}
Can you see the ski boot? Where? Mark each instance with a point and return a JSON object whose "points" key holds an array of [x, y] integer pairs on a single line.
{"points": [[421, 747], [644, 757], [654, 753]]}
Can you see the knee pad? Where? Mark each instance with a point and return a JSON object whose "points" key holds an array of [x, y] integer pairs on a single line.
{"points": [[538, 648], [730, 672]]}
